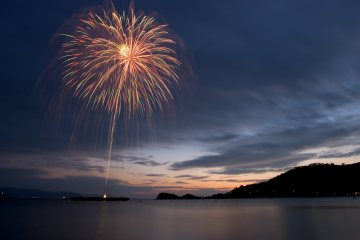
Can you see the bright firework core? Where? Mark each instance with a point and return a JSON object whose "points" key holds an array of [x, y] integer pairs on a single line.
{"points": [[124, 50]]}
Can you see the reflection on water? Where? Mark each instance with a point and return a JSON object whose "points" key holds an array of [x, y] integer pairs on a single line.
{"points": [[336, 218]]}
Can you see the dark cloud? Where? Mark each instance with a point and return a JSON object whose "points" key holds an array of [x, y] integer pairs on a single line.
{"points": [[273, 149], [223, 180], [215, 139], [181, 182], [155, 175], [34, 178], [150, 180], [123, 158], [191, 177], [77, 163], [55, 161], [236, 180], [150, 163], [9, 173], [353, 153], [144, 161], [238, 170]]}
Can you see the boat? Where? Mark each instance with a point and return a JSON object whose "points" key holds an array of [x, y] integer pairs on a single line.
{"points": [[100, 199]]}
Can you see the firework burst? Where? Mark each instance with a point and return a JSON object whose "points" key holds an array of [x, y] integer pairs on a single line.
{"points": [[123, 64]]}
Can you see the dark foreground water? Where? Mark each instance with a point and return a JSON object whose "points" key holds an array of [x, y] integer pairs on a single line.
{"points": [[305, 219]]}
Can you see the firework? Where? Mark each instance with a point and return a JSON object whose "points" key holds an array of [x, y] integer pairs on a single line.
{"points": [[123, 64]]}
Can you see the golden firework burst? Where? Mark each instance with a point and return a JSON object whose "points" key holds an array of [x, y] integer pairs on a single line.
{"points": [[121, 63]]}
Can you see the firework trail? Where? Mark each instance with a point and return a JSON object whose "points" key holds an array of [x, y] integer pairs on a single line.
{"points": [[123, 64]]}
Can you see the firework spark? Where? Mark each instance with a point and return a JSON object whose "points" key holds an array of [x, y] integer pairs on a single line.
{"points": [[124, 64]]}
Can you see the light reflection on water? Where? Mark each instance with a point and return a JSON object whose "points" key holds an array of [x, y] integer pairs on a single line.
{"points": [[336, 218]]}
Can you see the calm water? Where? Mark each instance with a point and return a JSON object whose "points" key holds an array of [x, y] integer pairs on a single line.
{"points": [[305, 219]]}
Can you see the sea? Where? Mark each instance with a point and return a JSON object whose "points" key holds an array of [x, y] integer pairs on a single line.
{"points": [[253, 219]]}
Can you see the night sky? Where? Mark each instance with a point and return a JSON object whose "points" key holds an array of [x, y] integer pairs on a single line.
{"points": [[276, 85]]}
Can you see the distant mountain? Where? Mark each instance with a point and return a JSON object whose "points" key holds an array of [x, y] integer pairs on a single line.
{"points": [[315, 180], [35, 193]]}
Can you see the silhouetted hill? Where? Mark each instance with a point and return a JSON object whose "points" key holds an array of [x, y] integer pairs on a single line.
{"points": [[170, 196], [35, 193], [315, 180], [167, 196]]}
